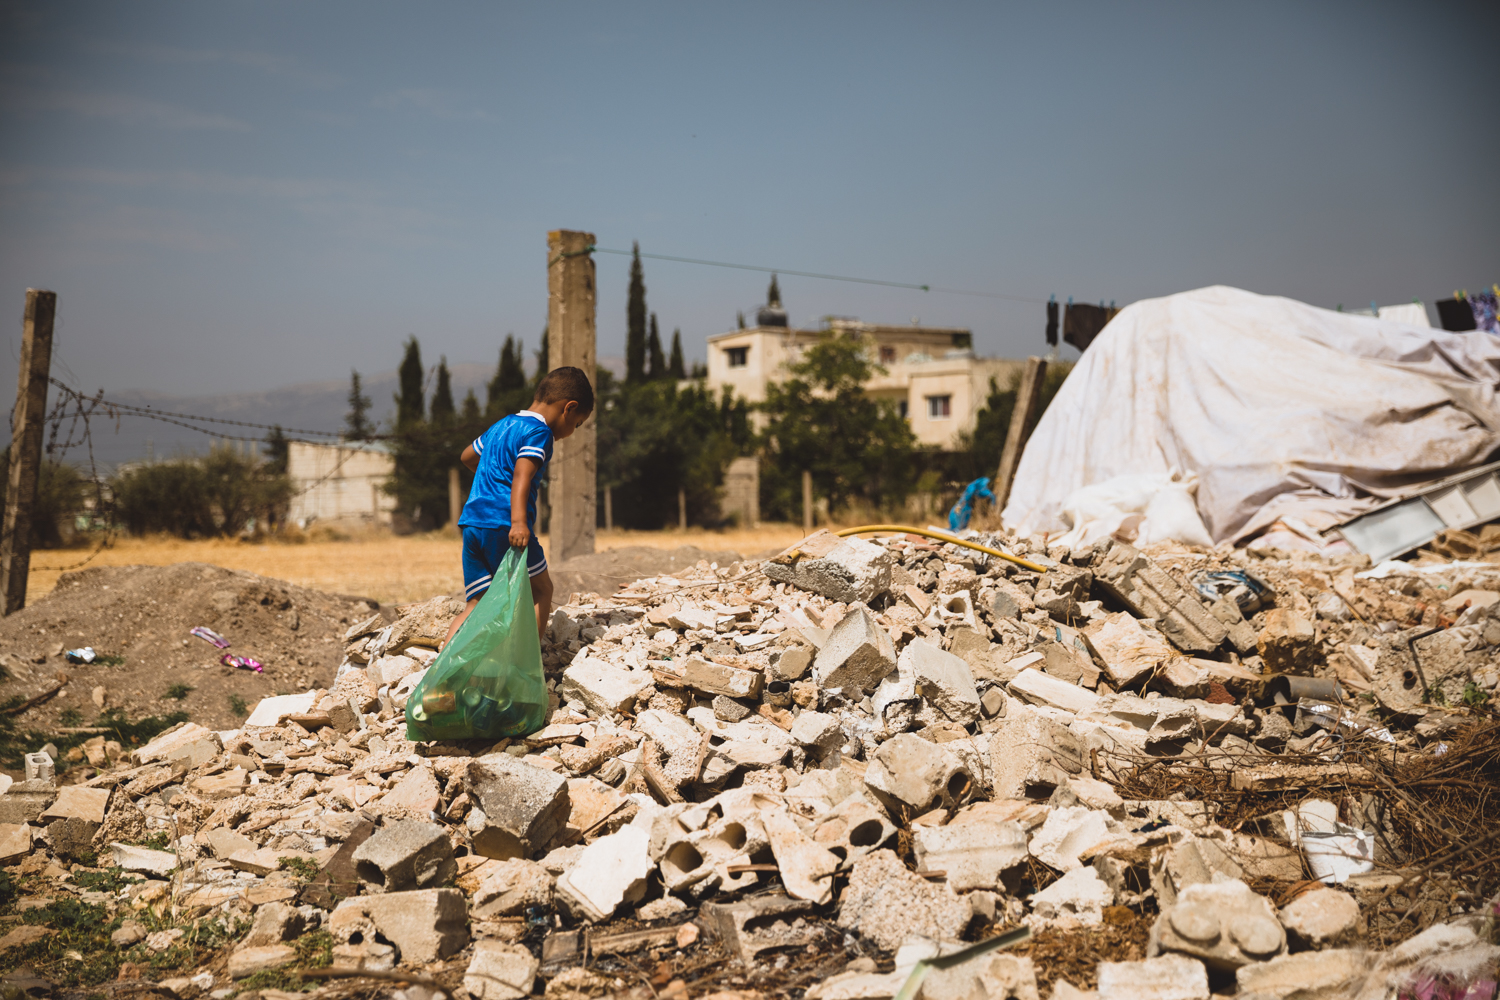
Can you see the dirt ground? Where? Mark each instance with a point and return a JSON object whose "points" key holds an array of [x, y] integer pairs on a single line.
{"points": [[386, 568]]}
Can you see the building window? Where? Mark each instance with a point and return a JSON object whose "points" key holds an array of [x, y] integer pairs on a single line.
{"points": [[939, 407], [739, 357], [887, 355], [903, 408]]}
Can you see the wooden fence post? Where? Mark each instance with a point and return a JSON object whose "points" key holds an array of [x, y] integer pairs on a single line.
{"points": [[1028, 400], [807, 506], [26, 449]]}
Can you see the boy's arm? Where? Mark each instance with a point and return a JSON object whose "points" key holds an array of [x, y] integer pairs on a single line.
{"points": [[520, 489], [470, 458]]}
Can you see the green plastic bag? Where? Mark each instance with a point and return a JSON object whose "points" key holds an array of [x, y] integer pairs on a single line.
{"points": [[488, 681]]}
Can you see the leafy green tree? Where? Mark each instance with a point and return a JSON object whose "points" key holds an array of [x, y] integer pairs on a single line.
{"points": [[278, 451], [420, 482], [470, 415], [508, 391], [859, 450], [656, 362], [635, 321], [655, 439], [59, 497], [357, 421], [222, 493], [978, 452], [675, 367]]}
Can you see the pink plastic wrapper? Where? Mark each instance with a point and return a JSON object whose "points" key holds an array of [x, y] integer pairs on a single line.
{"points": [[209, 635], [241, 662]]}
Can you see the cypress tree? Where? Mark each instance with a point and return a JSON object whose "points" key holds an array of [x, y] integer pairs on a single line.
{"points": [[357, 420], [739, 320], [443, 409], [657, 362], [410, 402], [471, 417], [675, 368], [635, 321], [512, 373], [543, 362]]}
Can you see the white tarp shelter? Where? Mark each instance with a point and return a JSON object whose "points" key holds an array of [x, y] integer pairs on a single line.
{"points": [[1278, 408]]}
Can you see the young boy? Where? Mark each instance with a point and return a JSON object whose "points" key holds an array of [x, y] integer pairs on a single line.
{"points": [[508, 461]]}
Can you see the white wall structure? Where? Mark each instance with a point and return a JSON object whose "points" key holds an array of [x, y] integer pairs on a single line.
{"points": [[340, 482]]}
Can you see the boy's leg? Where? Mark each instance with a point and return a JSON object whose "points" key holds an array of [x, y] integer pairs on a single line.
{"points": [[482, 549], [541, 586], [453, 628]]}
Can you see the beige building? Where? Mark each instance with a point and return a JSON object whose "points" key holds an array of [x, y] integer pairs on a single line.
{"points": [[931, 373], [340, 482]]}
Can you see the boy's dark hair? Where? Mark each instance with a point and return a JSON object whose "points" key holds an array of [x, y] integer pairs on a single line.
{"points": [[563, 384]]}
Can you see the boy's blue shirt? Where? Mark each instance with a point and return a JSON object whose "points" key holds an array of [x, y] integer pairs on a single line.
{"points": [[520, 435]]}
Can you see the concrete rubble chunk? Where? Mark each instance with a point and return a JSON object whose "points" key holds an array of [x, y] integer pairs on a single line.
{"points": [[857, 656], [1328, 973], [1147, 591], [886, 904], [715, 678], [751, 926], [1223, 924], [806, 866], [405, 855], [1043, 689], [817, 730], [1031, 752], [841, 569], [603, 687], [500, 971], [511, 887], [910, 772], [1171, 977], [1321, 918], [1067, 834], [611, 872], [520, 807], [270, 711], [1128, 651], [973, 854], [15, 842], [78, 802], [941, 678], [424, 925], [189, 742], [39, 767], [247, 961], [1077, 899], [274, 923], [1287, 642], [142, 859]]}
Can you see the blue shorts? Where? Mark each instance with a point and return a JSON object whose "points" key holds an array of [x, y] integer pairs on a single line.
{"points": [[483, 550]]}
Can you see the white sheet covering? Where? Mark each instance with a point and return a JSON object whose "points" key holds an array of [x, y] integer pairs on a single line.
{"points": [[1260, 397]]}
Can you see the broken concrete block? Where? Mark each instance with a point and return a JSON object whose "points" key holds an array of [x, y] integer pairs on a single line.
{"points": [[858, 654], [1287, 642], [690, 617], [418, 792], [715, 678], [601, 686], [1068, 833], [520, 807], [1321, 918], [425, 624], [190, 742], [274, 923], [941, 678], [1043, 689], [1077, 899], [854, 828], [907, 771], [841, 569], [1192, 677], [500, 971], [1171, 977], [39, 767], [404, 856], [793, 663], [818, 730], [1223, 924], [1030, 752], [751, 926], [973, 854], [1312, 974], [611, 872], [25, 801], [142, 859], [223, 842], [1128, 651], [511, 887], [1147, 591], [78, 802], [1068, 659], [270, 711], [15, 842], [886, 903], [806, 866], [1010, 600], [424, 925], [247, 961]]}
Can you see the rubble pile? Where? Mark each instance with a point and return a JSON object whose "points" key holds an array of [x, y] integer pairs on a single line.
{"points": [[1269, 777]]}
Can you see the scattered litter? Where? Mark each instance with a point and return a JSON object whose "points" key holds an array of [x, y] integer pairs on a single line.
{"points": [[209, 635], [242, 662], [85, 654]]}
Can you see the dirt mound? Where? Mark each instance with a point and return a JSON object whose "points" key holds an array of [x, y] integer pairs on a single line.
{"points": [[138, 619]]}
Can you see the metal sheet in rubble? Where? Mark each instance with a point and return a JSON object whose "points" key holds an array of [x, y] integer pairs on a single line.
{"points": [[1408, 522]]}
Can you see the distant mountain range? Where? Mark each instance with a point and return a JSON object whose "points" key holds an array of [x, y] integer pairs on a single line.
{"points": [[314, 406]]}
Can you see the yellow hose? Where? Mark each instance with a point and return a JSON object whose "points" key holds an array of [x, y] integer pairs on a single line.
{"points": [[939, 536]]}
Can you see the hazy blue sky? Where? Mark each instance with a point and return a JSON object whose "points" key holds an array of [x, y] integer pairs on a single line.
{"points": [[238, 196]]}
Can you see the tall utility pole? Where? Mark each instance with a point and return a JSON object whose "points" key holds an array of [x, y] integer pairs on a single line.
{"points": [[571, 341], [807, 506], [26, 448], [1028, 400]]}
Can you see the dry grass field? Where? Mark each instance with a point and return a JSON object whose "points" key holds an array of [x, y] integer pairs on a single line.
{"points": [[389, 568]]}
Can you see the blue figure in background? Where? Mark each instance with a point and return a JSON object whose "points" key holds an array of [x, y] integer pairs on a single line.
{"points": [[958, 517]]}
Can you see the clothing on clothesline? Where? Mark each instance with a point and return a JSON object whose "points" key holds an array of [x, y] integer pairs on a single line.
{"points": [[1052, 323], [1455, 315], [1082, 323]]}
